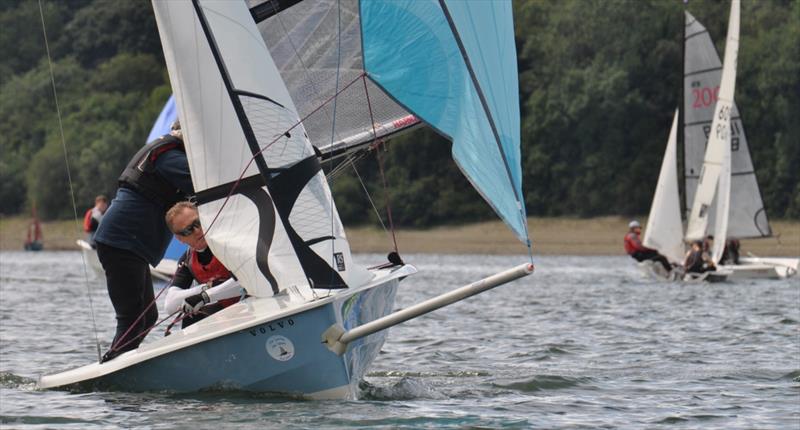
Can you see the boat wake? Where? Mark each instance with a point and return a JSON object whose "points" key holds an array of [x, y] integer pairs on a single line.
{"points": [[10, 380], [407, 388], [545, 382]]}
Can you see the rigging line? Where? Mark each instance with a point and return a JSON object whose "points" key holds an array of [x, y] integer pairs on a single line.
{"points": [[146, 332], [369, 197], [116, 344], [280, 136], [333, 125], [377, 145], [69, 175], [342, 166]]}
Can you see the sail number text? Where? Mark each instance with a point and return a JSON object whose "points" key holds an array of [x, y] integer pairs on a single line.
{"points": [[704, 97]]}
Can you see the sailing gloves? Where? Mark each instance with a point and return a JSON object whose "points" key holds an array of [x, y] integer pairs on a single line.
{"points": [[193, 304]]}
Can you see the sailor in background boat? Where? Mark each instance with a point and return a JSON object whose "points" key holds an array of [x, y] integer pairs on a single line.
{"points": [[134, 234], [730, 255], [697, 260], [639, 252], [218, 288], [93, 216]]}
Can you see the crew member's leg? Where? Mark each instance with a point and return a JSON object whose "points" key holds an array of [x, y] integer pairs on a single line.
{"points": [[131, 291]]}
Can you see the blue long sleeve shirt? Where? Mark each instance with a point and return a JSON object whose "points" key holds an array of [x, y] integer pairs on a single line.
{"points": [[135, 223]]}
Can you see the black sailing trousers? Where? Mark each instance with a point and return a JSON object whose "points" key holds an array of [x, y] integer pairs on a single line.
{"points": [[130, 288]]}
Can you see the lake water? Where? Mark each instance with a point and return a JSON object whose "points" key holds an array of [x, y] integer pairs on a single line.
{"points": [[584, 342]]}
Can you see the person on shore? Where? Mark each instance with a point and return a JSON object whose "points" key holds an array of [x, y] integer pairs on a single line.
{"points": [[93, 216], [639, 252], [697, 260], [217, 288], [134, 234]]}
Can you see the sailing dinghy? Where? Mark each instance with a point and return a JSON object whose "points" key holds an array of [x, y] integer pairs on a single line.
{"points": [[313, 320], [746, 217], [664, 230]]}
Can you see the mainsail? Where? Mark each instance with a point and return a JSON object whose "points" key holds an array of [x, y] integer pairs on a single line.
{"points": [[714, 183], [664, 231], [449, 64], [316, 46], [702, 75], [279, 227]]}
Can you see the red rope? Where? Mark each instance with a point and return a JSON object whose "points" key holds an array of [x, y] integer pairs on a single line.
{"points": [[116, 345], [236, 184]]}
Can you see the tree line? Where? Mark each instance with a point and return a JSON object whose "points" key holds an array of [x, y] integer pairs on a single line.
{"points": [[599, 81]]}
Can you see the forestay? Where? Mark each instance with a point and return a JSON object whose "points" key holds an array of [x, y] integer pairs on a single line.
{"points": [[702, 74], [717, 156], [234, 108]]}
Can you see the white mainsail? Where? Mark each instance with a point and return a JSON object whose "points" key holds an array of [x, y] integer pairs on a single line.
{"points": [[664, 231], [718, 150], [723, 202], [702, 74], [279, 228]]}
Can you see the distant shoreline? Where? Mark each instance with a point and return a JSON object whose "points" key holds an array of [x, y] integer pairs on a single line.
{"points": [[550, 236]]}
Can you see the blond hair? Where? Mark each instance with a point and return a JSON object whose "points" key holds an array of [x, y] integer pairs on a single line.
{"points": [[176, 209]]}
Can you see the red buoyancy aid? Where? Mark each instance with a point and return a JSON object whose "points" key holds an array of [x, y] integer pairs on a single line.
{"points": [[633, 243], [213, 272], [87, 221]]}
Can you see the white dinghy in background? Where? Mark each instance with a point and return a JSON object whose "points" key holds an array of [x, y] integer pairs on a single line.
{"points": [[738, 188]]}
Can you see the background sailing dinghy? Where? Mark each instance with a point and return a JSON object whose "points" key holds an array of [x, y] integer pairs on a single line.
{"points": [[737, 186], [314, 321], [703, 86]]}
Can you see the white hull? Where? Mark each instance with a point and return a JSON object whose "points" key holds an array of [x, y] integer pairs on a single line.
{"points": [[719, 275], [654, 270], [764, 268]]}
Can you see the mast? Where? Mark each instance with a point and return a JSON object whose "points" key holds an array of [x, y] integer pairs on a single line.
{"points": [[681, 163]]}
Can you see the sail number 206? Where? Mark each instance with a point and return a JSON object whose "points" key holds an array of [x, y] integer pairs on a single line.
{"points": [[704, 97]]}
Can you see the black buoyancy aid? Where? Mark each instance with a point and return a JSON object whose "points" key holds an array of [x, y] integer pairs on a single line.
{"points": [[141, 176]]}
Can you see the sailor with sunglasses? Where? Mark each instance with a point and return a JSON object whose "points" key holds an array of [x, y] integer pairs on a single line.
{"points": [[216, 289]]}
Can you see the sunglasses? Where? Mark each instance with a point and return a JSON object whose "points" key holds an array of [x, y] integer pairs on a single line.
{"points": [[190, 229]]}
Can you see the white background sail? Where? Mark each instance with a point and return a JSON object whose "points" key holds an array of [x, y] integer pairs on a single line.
{"points": [[228, 104], [719, 139], [702, 73], [723, 201], [664, 231]]}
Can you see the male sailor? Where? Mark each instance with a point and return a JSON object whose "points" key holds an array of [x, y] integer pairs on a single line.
{"points": [[217, 287], [134, 235], [635, 248], [93, 216]]}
